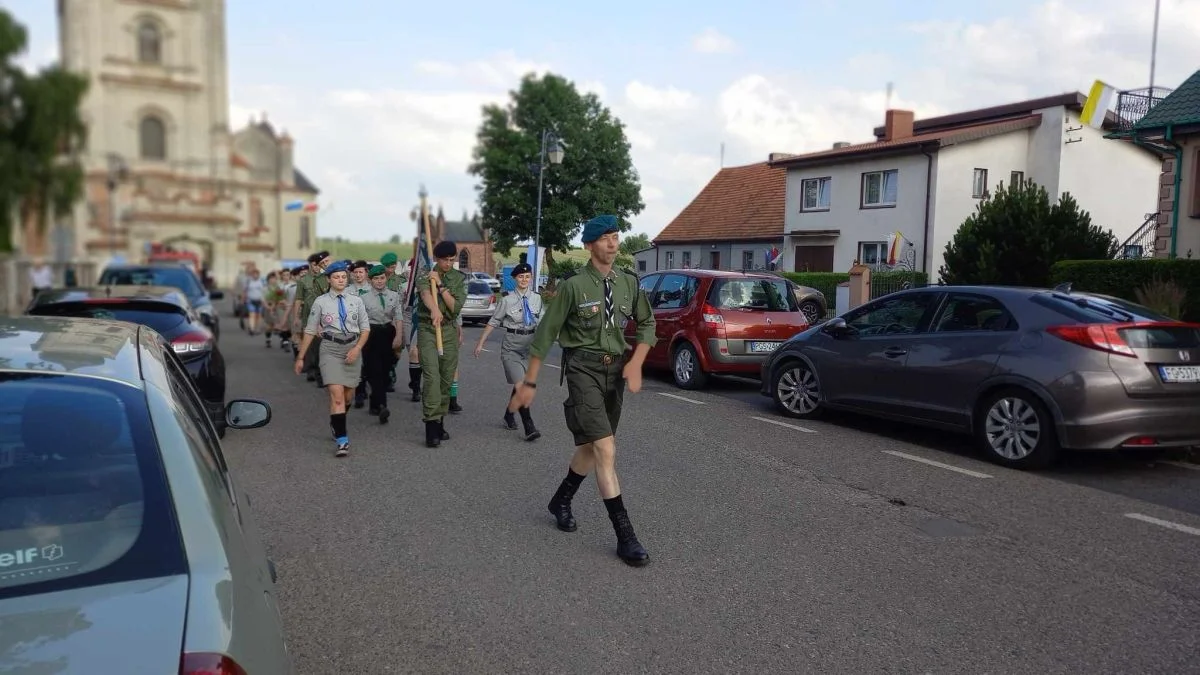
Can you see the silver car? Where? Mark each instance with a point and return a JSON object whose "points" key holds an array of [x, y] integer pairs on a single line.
{"points": [[126, 545], [480, 304]]}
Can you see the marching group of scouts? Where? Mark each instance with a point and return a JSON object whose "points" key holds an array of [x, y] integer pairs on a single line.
{"points": [[354, 326]]}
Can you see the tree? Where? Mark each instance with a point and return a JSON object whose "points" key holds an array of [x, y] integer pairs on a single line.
{"points": [[596, 177], [634, 243], [1016, 235], [41, 135]]}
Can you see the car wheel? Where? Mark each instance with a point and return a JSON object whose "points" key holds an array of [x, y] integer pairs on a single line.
{"points": [[811, 311], [685, 367], [1016, 430], [797, 391]]}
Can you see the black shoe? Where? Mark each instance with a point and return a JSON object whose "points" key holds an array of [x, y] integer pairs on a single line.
{"points": [[510, 422], [384, 414], [455, 408], [359, 402], [433, 435], [560, 507], [441, 423], [391, 388], [629, 549], [416, 396], [311, 377], [531, 432]]}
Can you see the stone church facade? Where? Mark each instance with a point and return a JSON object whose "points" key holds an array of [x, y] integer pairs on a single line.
{"points": [[162, 165]]}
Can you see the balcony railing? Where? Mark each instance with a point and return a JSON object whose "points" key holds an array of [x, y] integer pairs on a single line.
{"points": [[1133, 105], [1140, 244]]}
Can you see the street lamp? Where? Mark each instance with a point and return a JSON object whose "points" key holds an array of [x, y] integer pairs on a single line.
{"points": [[552, 148], [118, 171]]}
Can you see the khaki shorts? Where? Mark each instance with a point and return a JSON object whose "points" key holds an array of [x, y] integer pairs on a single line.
{"points": [[595, 393]]}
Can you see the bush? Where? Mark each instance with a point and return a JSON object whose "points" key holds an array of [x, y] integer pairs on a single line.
{"points": [[1164, 297], [1016, 235], [1123, 279]]}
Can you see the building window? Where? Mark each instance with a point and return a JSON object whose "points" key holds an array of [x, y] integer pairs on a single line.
{"points": [[153, 136], [687, 259], [879, 188], [670, 260], [747, 260], [872, 252], [979, 184], [149, 42], [816, 194], [464, 260], [305, 232], [641, 265], [1016, 178]]}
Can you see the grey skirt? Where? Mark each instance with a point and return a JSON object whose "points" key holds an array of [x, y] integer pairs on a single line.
{"points": [[334, 369], [514, 356]]}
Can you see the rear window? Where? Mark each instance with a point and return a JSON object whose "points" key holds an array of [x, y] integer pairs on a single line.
{"points": [[179, 278], [478, 288], [1169, 337], [1096, 309], [765, 295], [84, 503], [165, 321]]}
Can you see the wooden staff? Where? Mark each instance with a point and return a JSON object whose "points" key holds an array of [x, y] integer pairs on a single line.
{"points": [[433, 287]]}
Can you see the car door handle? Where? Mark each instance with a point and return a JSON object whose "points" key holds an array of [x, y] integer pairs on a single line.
{"points": [[894, 351]]}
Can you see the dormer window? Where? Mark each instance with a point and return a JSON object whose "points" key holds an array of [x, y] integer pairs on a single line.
{"points": [[149, 42]]}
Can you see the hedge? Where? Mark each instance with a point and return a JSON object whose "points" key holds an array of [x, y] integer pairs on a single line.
{"points": [[1122, 278]]}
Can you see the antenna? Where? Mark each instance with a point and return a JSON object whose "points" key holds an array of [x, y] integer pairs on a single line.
{"points": [[722, 154], [1153, 50]]}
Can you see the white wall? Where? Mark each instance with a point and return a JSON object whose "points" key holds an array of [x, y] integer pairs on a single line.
{"points": [[701, 254], [1188, 239], [953, 203], [857, 224], [1115, 181]]}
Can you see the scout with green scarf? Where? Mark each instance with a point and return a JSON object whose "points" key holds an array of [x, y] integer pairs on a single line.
{"points": [[437, 370], [307, 292], [587, 316], [395, 282]]}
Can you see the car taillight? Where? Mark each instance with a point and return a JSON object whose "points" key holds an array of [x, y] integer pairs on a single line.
{"points": [[1100, 336], [191, 343], [204, 663], [712, 317]]}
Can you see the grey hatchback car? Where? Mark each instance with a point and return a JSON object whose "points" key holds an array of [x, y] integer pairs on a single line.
{"points": [[1027, 371], [125, 544]]}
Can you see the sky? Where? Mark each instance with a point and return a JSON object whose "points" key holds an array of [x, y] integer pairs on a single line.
{"points": [[384, 96]]}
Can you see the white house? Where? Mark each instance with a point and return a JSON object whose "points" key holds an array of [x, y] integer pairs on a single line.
{"points": [[923, 178]]}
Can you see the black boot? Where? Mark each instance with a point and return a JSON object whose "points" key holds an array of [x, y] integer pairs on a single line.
{"points": [[455, 408], [510, 421], [560, 503], [629, 549], [433, 435], [414, 382], [531, 432], [384, 414], [441, 425]]}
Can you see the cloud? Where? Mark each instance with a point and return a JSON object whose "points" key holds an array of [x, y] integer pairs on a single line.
{"points": [[712, 41], [668, 99]]}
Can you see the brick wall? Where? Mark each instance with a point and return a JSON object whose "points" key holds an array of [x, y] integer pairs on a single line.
{"points": [[1166, 204]]}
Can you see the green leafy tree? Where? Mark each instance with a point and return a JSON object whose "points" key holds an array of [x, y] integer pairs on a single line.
{"points": [[595, 177], [634, 243], [1017, 234], [41, 135]]}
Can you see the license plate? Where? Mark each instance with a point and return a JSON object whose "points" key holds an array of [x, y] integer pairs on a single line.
{"points": [[8, 457], [763, 347], [1180, 373], [475, 303]]}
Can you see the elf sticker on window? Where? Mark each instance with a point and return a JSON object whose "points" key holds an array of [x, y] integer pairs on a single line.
{"points": [[31, 556]]}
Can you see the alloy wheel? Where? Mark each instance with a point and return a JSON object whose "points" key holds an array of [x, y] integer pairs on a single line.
{"points": [[811, 312], [798, 390], [1012, 428], [685, 366]]}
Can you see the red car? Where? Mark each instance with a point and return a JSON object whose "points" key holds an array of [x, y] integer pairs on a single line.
{"points": [[718, 323]]}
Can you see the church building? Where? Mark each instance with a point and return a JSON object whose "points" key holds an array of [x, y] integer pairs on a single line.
{"points": [[475, 253], [162, 165]]}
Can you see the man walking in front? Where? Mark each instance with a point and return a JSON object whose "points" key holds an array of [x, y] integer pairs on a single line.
{"points": [[437, 370], [587, 316]]}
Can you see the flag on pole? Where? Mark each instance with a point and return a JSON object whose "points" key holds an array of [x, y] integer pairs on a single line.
{"points": [[772, 255], [1099, 99], [420, 261], [896, 247], [310, 207], [294, 205]]}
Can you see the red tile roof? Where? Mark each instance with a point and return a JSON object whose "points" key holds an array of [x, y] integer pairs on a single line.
{"points": [[935, 139], [739, 203]]}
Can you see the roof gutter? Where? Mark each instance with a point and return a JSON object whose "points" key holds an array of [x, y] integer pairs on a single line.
{"points": [[1178, 183], [925, 257]]}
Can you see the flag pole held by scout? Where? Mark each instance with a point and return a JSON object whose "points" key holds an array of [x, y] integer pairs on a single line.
{"points": [[432, 262]]}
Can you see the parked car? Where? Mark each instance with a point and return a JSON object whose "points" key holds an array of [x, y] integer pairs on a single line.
{"points": [[488, 279], [812, 303], [718, 323], [162, 308], [126, 544], [480, 304], [169, 274], [1027, 371]]}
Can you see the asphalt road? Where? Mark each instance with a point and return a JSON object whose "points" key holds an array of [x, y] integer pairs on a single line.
{"points": [[833, 547]]}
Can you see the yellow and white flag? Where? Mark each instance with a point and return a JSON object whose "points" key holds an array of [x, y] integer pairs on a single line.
{"points": [[1099, 100], [897, 246]]}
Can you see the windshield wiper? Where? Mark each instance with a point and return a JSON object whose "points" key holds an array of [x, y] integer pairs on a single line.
{"points": [[1083, 303]]}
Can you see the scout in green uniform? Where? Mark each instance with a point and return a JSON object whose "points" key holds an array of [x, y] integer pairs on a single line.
{"points": [[385, 316], [587, 316], [395, 282], [306, 293], [360, 285], [437, 371]]}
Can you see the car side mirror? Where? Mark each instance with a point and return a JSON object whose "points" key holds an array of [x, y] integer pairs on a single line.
{"points": [[216, 295], [247, 413], [836, 327]]}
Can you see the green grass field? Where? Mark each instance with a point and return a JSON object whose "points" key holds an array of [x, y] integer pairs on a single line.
{"points": [[374, 250]]}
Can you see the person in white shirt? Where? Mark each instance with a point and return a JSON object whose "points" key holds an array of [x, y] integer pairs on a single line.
{"points": [[254, 291], [41, 277]]}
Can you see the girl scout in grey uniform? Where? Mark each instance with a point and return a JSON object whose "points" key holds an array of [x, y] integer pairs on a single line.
{"points": [[340, 318], [518, 314]]}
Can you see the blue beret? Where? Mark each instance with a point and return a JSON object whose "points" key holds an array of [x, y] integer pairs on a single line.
{"points": [[598, 227], [339, 266]]}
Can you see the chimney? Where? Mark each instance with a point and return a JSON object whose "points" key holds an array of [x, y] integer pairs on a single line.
{"points": [[898, 125], [841, 144]]}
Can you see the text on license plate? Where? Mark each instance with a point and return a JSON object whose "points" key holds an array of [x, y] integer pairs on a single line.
{"points": [[1180, 373], [759, 347], [476, 303]]}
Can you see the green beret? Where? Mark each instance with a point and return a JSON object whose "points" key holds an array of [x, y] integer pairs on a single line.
{"points": [[376, 270], [388, 258], [598, 227]]}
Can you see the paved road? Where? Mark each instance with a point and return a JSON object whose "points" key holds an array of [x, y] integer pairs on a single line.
{"points": [[776, 546]]}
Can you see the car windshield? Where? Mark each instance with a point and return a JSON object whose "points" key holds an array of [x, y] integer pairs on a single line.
{"points": [[164, 320], [83, 503], [478, 288], [764, 295], [175, 277]]}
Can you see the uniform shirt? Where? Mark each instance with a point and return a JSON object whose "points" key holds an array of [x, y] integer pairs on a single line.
{"points": [[323, 317], [358, 289], [289, 291], [575, 317], [453, 281], [319, 284], [396, 282], [382, 306], [510, 311]]}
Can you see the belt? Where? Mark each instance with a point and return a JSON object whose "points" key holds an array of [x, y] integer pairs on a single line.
{"points": [[339, 341], [596, 357], [522, 331], [379, 325]]}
